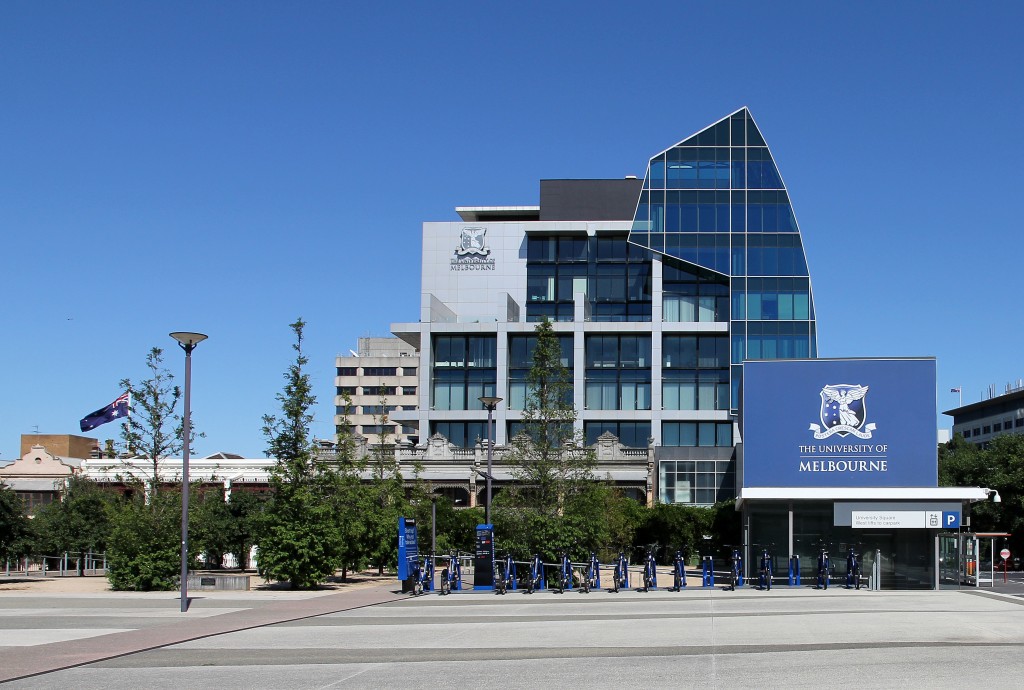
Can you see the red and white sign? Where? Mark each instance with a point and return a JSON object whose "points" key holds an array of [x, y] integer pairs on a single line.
{"points": [[1005, 554]]}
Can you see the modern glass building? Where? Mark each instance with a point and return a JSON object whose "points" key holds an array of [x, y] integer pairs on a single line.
{"points": [[717, 203], [659, 288]]}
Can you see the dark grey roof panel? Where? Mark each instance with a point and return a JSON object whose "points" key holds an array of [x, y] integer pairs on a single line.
{"points": [[589, 199]]}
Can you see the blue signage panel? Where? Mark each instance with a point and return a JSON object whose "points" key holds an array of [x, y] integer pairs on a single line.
{"points": [[839, 423], [408, 546], [950, 519]]}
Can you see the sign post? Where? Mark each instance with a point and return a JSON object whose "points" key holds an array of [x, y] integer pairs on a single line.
{"points": [[483, 558], [1005, 555], [408, 550]]}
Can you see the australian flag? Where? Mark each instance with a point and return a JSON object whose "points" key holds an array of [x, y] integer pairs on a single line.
{"points": [[114, 411]]}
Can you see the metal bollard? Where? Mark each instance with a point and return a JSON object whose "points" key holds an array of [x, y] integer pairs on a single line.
{"points": [[708, 572]]}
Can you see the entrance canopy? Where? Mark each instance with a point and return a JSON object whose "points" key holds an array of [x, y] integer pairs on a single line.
{"points": [[838, 493]]}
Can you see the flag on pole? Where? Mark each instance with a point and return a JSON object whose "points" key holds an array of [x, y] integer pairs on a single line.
{"points": [[115, 410], [955, 390]]}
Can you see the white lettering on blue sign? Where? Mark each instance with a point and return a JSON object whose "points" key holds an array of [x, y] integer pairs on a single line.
{"points": [[844, 466]]}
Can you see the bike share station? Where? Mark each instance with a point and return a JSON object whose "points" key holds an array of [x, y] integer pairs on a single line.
{"points": [[839, 457]]}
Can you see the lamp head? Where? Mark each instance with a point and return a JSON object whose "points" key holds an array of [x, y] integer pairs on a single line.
{"points": [[188, 341], [489, 402]]}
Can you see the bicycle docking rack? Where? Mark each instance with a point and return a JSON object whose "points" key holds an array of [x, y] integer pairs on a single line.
{"points": [[794, 571], [707, 571]]}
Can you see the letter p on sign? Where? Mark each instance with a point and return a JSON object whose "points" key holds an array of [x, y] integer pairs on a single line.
{"points": [[950, 519]]}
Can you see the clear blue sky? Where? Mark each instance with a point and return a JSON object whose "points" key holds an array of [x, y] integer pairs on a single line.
{"points": [[226, 167]]}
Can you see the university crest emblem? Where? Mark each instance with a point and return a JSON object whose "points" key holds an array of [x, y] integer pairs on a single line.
{"points": [[843, 412], [472, 242]]}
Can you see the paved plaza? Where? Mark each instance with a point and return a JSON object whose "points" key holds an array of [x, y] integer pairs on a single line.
{"points": [[374, 638]]}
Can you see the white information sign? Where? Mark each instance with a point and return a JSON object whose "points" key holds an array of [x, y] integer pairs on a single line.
{"points": [[896, 519]]}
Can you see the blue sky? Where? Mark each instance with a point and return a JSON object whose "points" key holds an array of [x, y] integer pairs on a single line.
{"points": [[226, 167]]}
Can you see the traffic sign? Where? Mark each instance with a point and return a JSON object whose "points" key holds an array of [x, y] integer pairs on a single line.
{"points": [[1005, 554]]}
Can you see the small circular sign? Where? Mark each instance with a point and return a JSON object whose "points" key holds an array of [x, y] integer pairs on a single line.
{"points": [[1004, 554]]}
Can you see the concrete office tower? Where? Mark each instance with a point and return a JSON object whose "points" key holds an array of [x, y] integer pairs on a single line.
{"points": [[380, 378], [659, 288]]}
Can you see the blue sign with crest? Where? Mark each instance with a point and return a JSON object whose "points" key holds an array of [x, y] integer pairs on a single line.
{"points": [[839, 423]]}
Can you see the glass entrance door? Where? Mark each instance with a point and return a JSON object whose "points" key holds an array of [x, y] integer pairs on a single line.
{"points": [[950, 565]]}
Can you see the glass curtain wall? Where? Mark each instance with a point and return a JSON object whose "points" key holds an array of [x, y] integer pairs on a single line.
{"points": [[716, 202], [614, 275], [464, 368], [520, 360], [618, 375]]}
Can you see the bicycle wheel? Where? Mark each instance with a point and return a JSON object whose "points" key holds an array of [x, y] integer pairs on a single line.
{"points": [[615, 583], [768, 578], [856, 576]]}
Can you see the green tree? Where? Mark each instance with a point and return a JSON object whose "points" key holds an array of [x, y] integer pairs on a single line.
{"points": [[299, 541], [456, 529], [144, 546], [550, 463], [383, 500], [77, 523], [999, 466], [552, 501], [349, 499], [15, 527], [220, 527], [154, 429]]}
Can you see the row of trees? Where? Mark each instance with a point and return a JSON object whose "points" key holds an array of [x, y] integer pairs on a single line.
{"points": [[320, 516]]}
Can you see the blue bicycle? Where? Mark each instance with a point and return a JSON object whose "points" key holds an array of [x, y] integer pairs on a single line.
{"points": [[824, 568], [591, 575], [536, 575], [504, 575], [451, 577], [735, 569], [650, 570], [853, 573], [564, 579], [765, 572], [620, 577], [678, 572], [423, 575]]}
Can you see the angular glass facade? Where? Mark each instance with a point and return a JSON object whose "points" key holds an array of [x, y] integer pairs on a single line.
{"points": [[717, 203]]}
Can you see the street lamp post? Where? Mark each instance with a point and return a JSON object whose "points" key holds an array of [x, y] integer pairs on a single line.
{"points": [[489, 403], [188, 342]]}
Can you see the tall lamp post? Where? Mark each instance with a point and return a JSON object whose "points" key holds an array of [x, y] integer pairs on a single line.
{"points": [[188, 342], [489, 404]]}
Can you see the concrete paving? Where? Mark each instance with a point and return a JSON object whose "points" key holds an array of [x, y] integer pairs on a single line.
{"points": [[375, 638]]}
